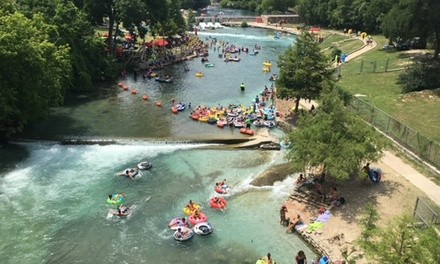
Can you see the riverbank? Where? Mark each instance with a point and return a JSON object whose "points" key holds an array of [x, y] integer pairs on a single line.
{"points": [[401, 185]]}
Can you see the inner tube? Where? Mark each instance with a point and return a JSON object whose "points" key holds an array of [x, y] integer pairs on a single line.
{"points": [[185, 234], [202, 218], [130, 172], [188, 211], [220, 205], [221, 189], [176, 223], [203, 229], [375, 175], [145, 165], [117, 199], [269, 124], [124, 213]]}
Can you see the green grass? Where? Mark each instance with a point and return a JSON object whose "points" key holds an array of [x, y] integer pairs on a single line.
{"points": [[381, 89], [330, 39]]}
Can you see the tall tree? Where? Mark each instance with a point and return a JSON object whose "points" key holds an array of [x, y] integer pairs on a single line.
{"points": [[401, 242], [89, 63], [414, 18], [33, 71], [195, 4], [335, 138], [304, 70], [276, 6]]}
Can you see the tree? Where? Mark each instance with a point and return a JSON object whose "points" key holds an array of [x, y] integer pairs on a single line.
{"points": [[33, 73], [276, 6], [304, 70], [335, 138], [421, 75], [414, 18], [89, 63], [195, 4], [401, 242]]}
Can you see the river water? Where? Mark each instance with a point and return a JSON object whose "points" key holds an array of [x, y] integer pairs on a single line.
{"points": [[54, 196]]}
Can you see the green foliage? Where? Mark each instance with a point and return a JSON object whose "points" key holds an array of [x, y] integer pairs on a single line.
{"points": [[195, 4], [363, 15], [89, 63], [244, 24], [191, 20], [276, 6], [34, 71], [422, 75], [304, 70], [335, 138], [241, 4], [414, 18], [403, 243], [369, 226]]}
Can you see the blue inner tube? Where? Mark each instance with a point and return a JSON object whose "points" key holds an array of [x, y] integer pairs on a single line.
{"points": [[375, 175]]}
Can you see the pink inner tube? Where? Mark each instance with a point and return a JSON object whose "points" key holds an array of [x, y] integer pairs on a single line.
{"points": [[222, 189], [221, 205], [202, 218], [176, 223]]}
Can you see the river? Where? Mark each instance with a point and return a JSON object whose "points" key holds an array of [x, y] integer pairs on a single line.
{"points": [[54, 196]]}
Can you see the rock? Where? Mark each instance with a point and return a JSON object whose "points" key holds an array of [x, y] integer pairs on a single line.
{"points": [[270, 146]]}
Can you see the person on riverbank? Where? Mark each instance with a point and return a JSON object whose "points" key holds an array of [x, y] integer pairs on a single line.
{"points": [[334, 195], [293, 223], [283, 211], [301, 258]]}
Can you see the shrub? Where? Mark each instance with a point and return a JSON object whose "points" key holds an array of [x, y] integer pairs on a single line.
{"points": [[244, 24], [422, 75]]}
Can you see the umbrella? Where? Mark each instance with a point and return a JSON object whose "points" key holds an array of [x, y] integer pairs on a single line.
{"points": [[159, 42]]}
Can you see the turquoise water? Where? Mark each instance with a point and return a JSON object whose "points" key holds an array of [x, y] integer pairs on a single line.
{"points": [[54, 196], [114, 113], [54, 206]]}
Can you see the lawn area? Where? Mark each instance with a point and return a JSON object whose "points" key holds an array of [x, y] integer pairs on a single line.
{"points": [[366, 75]]}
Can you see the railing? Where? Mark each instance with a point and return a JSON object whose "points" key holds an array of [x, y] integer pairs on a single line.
{"points": [[424, 214], [411, 139]]}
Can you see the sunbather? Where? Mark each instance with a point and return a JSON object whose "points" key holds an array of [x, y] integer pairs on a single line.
{"points": [[293, 223]]}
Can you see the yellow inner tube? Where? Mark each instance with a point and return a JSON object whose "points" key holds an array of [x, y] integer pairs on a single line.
{"points": [[199, 74], [187, 211], [203, 119]]}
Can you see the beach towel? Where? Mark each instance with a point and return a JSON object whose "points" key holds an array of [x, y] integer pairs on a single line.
{"points": [[300, 227], [315, 226], [324, 217]]}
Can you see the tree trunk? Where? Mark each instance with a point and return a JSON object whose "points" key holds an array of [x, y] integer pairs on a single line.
{"points": [[437, 42], [297, 103], [115, 37], [111, 21]]}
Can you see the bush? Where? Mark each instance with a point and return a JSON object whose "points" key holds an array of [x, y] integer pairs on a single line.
{"points": [[244, 24], [422, 75]]}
